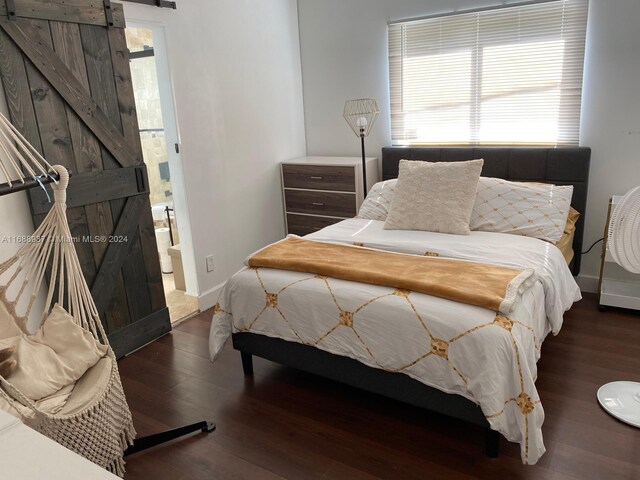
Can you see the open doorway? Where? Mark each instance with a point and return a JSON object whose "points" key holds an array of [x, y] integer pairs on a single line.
{"points": [[160, 148]]}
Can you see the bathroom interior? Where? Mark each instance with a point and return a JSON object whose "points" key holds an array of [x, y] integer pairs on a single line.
{"points": [[157, 155]]}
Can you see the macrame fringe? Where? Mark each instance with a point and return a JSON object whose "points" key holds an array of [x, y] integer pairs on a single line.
{"points": [[117, 466]]}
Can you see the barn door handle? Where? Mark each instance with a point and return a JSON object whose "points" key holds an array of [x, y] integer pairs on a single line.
{"points": [[318, 204], [317, 178], [140, 179]]}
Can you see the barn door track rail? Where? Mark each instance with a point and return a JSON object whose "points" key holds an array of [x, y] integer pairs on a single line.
{"points": [[156, 3], [71, 11]]}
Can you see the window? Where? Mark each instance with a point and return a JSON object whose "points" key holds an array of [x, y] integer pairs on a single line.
{"points": [[510, 75]]}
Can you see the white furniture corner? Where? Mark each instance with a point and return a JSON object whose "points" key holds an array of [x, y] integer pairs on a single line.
{"points": [[615, 292], [26, 454]]}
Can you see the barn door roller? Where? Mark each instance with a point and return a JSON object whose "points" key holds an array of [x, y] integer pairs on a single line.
{"points": [[11, 9], [108, 13]]}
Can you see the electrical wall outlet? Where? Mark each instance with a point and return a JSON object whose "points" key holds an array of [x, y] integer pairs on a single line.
{"points": [[209, 259]]}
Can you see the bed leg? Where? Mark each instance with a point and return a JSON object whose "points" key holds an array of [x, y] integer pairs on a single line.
{"points": [[247, 363], [491, 443]]}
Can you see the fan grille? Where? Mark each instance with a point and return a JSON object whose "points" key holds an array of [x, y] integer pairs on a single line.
{"points": [[624, 232]]}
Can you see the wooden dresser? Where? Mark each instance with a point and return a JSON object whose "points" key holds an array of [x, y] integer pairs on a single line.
{"points": [[320, 191]]}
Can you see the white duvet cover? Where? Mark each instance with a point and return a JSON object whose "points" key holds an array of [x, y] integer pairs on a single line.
{"points": [[454, 347]]}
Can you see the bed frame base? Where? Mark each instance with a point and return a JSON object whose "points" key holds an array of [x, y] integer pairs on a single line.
{"points": [[247, 363], [351, 372]]}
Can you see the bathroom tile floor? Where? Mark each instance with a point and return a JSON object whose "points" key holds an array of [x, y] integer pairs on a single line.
{"points": [[180, 304]]}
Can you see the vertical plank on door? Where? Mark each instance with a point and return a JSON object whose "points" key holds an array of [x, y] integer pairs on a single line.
{"points": [[102, 83]]}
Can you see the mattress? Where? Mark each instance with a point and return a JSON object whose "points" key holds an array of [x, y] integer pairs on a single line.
{"points": [[457, 348]]}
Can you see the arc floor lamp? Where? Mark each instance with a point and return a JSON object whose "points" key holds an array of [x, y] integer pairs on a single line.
{"points": [[361, 114]]}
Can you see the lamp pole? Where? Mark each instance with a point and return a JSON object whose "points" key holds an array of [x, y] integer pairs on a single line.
{"points": [[364, 163], [362, 125]]}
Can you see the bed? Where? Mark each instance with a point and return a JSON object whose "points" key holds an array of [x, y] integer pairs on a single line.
{"points": [[389, 352]]}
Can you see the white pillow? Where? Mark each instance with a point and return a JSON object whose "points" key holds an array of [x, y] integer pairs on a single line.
{"points": [[378, 202], [532, 210], [434, 197], [55, 356]]}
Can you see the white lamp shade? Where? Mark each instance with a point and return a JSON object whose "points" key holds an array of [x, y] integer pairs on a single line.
{"points": [[361, 114]]}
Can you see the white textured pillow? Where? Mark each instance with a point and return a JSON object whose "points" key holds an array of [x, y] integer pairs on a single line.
{"points": [[378, 202], [435, 197], [532, 210]]}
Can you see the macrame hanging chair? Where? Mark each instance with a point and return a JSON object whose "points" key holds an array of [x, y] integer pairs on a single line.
{"points": [[95, 421]]}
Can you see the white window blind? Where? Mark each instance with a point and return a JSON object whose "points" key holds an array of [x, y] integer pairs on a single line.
{"points": [[509, 75]]}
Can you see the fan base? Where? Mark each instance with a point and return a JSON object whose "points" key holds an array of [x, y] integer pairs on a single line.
{"points": [[622, 400]]}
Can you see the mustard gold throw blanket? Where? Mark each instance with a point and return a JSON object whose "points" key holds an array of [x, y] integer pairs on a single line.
{"points": [[489, 286]]}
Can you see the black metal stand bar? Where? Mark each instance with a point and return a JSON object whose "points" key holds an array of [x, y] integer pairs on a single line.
{"points": [[144, 443], [491, 443]]}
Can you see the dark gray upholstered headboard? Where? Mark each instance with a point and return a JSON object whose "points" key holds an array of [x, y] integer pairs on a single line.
{"points": [[561, 166]]}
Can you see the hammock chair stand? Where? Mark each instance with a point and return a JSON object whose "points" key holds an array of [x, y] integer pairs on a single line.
{"points": [[107, 416], [144, 443]]}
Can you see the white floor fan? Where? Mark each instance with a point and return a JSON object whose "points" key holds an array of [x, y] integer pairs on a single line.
{"points": [[622, 399]]}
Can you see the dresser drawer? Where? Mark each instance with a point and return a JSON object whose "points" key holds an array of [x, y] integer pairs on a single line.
{"points": [[319, 177], [306, 224], [320, 203]]}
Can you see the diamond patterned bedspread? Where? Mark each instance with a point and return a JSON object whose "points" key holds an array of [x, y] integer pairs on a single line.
{"points": [[457, 348]]}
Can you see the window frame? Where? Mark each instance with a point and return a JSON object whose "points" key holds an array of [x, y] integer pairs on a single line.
{"points": [[396, 90]]}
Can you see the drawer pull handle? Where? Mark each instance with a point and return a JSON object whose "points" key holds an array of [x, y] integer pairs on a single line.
{"points": [[316, 178], [318, 204]]}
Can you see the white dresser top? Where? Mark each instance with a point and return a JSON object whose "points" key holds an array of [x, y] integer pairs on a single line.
{"points": [[338, 161], [26, 454]]}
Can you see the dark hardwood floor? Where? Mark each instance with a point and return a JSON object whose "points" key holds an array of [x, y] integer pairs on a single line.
{"points": [[284, 423]]}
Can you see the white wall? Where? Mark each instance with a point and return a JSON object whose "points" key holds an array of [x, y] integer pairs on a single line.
{"points": [[344, 55], [15, 216], [610, 113], [238, 93]]}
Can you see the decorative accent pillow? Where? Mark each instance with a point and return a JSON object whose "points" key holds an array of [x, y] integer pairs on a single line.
{"points": [[532, 210], [378, 202], [55, 356], [436, 197]]}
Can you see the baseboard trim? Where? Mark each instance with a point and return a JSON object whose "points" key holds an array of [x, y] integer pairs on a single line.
{"points": [[138, 334], [209, 298], [587, 283]]}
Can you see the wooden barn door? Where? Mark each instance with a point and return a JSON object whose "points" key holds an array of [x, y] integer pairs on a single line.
{"points": [[65, 70]]}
